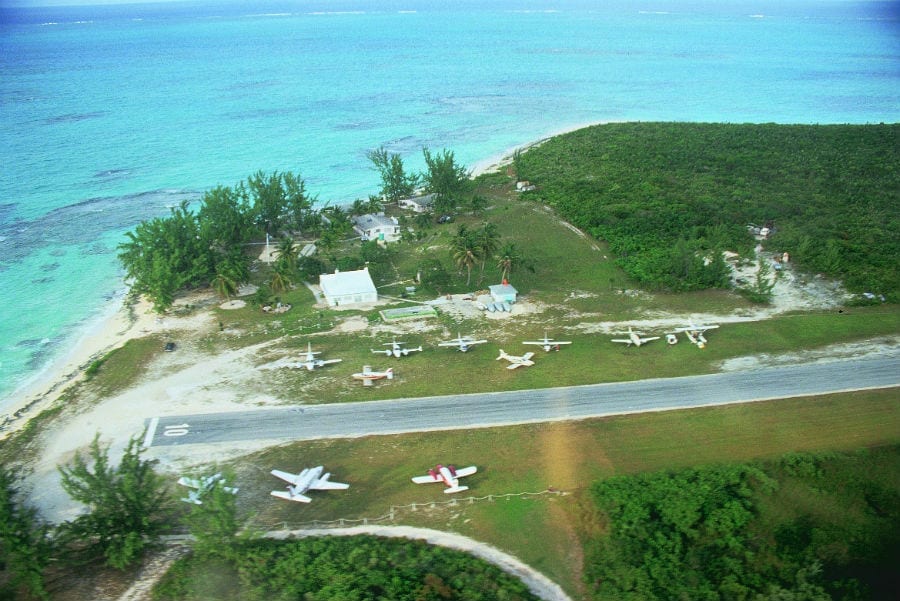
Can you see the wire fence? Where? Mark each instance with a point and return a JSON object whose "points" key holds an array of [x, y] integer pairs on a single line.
{"points": [[392, 514]]}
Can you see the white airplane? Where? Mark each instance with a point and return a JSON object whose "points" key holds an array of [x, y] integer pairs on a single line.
{"points": [[396, 349], [635, 338], [310, 478], [368, 375], [694, 333], [311, 362], [515, 360], [203, 485], [548, 343], [462, 343], [448, 475]]}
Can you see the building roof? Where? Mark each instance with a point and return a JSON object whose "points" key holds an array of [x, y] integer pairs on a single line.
{"points": [[423, 201], [367, 222], [343, 283], [499, 289]]}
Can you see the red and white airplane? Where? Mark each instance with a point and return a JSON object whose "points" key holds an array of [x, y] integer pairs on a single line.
{"points": [[447, 474], [368, 375]]}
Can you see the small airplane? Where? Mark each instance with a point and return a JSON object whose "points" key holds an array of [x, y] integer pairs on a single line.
{"points": [[311, 362], [310, 478], [462, 343], [548, 343], [397, 349], [635, 338], [694, 333], [203, 485], [516, 360], [368, 375], [447, 474]]}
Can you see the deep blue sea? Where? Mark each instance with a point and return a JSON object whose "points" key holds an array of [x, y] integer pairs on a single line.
{"points": [[111, 114]]}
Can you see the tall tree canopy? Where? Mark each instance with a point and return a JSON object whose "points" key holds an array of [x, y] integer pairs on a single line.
{"points": [[395, 182], [127, 504]]}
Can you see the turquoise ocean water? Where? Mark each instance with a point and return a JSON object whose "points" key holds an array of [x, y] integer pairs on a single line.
{"points": [[110, 114]]}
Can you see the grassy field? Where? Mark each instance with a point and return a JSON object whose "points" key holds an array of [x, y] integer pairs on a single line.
{"points": [[578, 286], [546, 531]]}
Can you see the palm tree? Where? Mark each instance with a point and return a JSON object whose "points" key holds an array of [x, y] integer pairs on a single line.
{"points": [[224, 285], [464, 250], [280, 281], [287, 252], [487, 239], [507, 258], [359, 207]]}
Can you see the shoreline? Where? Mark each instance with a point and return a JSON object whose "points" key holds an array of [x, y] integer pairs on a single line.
{"points": [[500, 159], [117, 323]]}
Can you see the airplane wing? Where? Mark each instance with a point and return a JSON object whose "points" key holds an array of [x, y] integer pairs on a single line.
{"points": [[514, 365], [189, 482], [324, 483], [622, 340], [527, 356], [291, 479], [328, 361], [466, 471], [426, 478], [650, 338], [287, 496], [385, 352], [475, 341]]}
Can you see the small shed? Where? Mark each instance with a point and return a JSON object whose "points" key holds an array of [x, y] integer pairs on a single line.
{"points": [[503, 293], [348, 287]]}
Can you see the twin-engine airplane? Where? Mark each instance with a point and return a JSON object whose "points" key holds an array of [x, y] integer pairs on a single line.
{"points": [[516, 360], [202, 486], [368, 375], [548, 344], [694, 333], [448, 475], [396, 349], [462, 343], [311, 362], [308, 479], [635, 338]]}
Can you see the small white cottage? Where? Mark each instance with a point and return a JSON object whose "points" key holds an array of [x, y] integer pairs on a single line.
{"points": [[348, 287], [378, 227]]}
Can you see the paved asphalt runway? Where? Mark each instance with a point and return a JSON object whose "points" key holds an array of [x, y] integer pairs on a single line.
{"points": [[348, 420]]}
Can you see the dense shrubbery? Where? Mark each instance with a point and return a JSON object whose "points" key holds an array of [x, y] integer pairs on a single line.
{"points": [[810, 527], [358, 567], [666, 195]]}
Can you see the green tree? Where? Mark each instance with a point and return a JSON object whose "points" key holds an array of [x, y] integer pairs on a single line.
{"points": [[395, 182], [269, 199], [25, 545], [464, 250], [280, 280], [298, 204], [446, 179], [487, 239], [164, 255], [214, 523], [287, 254], [477, 204], [508, 258], [127, 505], [224, 219]]}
